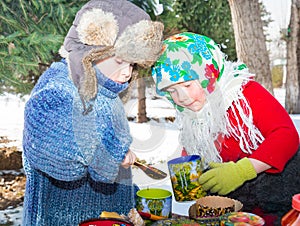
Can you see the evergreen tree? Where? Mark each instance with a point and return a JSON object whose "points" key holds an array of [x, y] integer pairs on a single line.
{"points": [[211, 18], [31, 33]]}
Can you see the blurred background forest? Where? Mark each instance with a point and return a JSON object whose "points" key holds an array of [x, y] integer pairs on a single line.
{"points": [[32, 31]]}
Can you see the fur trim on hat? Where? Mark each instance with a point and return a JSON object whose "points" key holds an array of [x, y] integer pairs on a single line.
{"points": [[140, 43], [88, 86], [97, 27], [103, 28], [63, 52]]}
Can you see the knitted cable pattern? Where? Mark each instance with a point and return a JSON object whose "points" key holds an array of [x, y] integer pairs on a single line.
{"points": [[72, 160], [56, 133], [53, 202]]}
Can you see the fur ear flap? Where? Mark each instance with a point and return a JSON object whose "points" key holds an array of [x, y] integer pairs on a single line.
{"points": [[88, 85], [98, 28]]}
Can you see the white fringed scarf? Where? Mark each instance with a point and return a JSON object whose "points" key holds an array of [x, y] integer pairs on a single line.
{"points": [[201, 132], [189, 56]]}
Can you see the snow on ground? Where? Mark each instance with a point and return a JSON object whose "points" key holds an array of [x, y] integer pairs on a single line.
{"points": [[11, 117], [154, 141]]}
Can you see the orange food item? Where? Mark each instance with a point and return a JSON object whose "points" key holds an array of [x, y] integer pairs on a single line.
{"points": [[106, 214]]}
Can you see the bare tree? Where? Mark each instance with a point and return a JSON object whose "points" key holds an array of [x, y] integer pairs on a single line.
{"points": [[250, 39], [142, 114], [292, 103]]}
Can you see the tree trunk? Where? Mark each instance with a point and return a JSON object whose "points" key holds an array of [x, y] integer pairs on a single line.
{"points": [[292, 104], [250, 39], [141, 86]]}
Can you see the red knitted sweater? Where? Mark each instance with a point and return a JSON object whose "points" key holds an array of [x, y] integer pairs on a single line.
{"points": [[281, 137]]}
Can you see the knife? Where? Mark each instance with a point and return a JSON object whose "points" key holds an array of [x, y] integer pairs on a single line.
{"points": [[152, 172]]}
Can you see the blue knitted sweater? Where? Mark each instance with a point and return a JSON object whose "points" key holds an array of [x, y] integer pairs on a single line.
{"points": [[72, 161]]}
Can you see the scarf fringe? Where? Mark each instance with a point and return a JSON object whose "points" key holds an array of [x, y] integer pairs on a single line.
{"points": [[201, 131]]}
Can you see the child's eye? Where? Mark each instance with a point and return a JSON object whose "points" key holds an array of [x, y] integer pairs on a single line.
{"points": [[118, 60], [171, 90], [187, 84]]}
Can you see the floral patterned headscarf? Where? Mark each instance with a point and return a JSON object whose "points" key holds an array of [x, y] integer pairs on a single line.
{"points": [[189, 56]]}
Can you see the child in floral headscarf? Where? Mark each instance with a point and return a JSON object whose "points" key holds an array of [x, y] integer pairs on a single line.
{"points": [[240, 130]]}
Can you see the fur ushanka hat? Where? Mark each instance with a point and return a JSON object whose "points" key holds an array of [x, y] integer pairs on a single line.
{"points": [[106, 28]]}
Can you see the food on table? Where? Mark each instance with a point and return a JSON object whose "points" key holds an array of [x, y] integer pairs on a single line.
{"points": [[135, 217], [106, 214], [241, 219]]}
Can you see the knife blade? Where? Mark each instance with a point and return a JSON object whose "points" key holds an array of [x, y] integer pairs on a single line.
{"points": [[152, 172]]}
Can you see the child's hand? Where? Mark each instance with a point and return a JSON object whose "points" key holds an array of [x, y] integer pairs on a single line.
{"points": [[223, 178], [129, 159]]}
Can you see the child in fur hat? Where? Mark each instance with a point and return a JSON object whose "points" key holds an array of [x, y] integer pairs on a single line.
{"points": [[243, 134], [76, 136]]}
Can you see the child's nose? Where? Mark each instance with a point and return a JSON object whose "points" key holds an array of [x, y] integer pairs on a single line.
{"points": [[182, 95], [126, 71]]}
